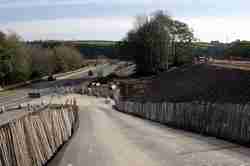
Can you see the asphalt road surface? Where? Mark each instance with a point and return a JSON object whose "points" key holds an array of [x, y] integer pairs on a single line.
{"points": [[20, 95], [110, 138]]}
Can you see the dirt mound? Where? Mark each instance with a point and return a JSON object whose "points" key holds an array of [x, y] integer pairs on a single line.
{"points": [[200, 83]]}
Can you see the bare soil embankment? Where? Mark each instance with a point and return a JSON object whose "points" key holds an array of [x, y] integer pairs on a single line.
{"points": [[202, 82]]}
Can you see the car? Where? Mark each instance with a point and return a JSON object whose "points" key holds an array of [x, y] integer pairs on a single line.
{"points": [[2, 109], [51, 78], [90, 73], [34, 94], [203, 59]]}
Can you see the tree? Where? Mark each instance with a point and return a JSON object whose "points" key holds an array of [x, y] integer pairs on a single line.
{"points": [[239, 49], [2, 37], [156, 41], [41, 61], [14, 63], [21, 65], [18, 58], [67, 58], [148, 42], [182, 38]]}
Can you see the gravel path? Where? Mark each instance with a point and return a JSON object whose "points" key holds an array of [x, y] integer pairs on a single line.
{"points": [[110, 138]]}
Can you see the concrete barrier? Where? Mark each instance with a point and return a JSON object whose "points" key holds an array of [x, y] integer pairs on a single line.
{"points": [[21, 84]]}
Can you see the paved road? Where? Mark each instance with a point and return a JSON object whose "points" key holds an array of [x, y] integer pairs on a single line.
{"points": [[110, 138], [15, 97]]}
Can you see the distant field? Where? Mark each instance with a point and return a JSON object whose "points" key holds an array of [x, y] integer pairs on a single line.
{"points": [[231, 61], [202, 44], [235, 64], [95, 42], [92, 49], [89, 48]]}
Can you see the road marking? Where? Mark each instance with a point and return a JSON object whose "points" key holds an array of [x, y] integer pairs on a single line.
{"points": [[13, 101], [80, 72], [12, 94]]}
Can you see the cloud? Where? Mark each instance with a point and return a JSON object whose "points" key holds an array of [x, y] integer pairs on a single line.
{"points": [[115, 28], [39, 3], [42, 3], [110, 20], [99, 28], [26, 10], [225, 29]]}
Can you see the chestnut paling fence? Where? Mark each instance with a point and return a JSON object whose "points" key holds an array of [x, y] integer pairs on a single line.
{"points": [[223, 120], [103, 91], [34, 138], [228, 121]]}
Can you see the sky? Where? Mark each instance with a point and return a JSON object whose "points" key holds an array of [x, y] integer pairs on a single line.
{"points": [[223, 20]]}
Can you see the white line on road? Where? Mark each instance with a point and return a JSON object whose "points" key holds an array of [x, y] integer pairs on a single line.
{"points": [[14, 101]]}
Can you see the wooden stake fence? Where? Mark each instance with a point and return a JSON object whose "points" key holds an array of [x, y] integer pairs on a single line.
{"points": [[33, 139], [228, 121]]}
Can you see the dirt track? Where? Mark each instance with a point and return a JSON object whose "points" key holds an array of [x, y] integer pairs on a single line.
{"points": [[110, 138]]}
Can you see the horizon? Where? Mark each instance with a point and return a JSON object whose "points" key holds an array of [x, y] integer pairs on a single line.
{"points": [[224, 21]]}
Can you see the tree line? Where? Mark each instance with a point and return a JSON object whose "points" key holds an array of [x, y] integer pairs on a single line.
{"points": [[20, 61], [238, 49], [235, 50], [90, 49]]}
